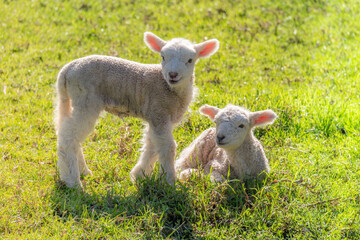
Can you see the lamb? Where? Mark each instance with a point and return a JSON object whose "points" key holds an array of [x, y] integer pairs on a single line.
{"points": [[157, 93], [229, 150]]}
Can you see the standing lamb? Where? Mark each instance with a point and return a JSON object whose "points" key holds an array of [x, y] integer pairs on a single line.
{"points": [[231, 145], [157, 93]]}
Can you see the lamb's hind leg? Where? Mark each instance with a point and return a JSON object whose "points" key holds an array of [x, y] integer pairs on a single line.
{"points": [[147, 159], [72, 132]]}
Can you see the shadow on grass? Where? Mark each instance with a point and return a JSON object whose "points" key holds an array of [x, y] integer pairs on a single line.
{"points": [[241, 194], [155, 209]]}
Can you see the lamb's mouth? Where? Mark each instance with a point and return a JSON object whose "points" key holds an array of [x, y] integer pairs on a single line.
{"points": [[172, 81], [220, 144]]}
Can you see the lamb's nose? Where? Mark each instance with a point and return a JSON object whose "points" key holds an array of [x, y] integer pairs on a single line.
{"points": [[220, 138], [173, 74]]}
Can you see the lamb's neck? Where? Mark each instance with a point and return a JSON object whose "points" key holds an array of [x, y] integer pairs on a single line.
{"points": [[239, 157], [185, 92], [184, 96]]}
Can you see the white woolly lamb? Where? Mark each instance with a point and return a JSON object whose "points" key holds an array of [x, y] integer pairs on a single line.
{"points": [[157, 93], [230, 149]]}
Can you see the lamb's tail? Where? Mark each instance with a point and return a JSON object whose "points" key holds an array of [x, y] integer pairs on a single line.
{"points": [[63, 102]]}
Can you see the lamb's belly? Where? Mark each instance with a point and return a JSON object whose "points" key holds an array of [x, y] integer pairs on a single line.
{"points": [[122, 111], [118, 111]]}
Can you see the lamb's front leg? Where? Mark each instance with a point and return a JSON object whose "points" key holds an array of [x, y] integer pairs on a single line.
{"points": [[212, 168], [166, 148]]}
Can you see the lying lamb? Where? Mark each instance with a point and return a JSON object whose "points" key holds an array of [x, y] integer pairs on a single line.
{"points": [[157, 93], [231, 143]]}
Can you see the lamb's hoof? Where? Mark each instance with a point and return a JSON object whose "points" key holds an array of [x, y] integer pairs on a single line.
{"points": [[171, 180], [87, 172], [74, 185], [169, 176], [134, 175], [217, 180], [186, 174]]}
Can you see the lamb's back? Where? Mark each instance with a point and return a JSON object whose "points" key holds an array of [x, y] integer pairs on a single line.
{"points": [[125, 88]]}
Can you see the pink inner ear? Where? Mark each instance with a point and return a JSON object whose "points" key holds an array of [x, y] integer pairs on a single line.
{"points": [[153, 43], [263, 119], [207, 49], [208, 112]]}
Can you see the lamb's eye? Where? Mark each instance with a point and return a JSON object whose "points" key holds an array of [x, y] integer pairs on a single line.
{"points": [[190, 60], [241, 125], [163, 58]]}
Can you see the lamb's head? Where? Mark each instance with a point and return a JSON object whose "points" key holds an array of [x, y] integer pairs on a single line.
{"points": [[179, 56], [233, 123]]}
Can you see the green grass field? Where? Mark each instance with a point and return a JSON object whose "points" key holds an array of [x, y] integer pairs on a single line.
{"points": [[299, 58]]}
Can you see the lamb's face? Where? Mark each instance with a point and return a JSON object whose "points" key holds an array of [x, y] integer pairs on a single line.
{"points": [[178, 61], [232, 127], [179, 56]]}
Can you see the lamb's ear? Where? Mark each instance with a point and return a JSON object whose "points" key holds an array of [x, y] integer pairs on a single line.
{"points": [[209, 111], [207, 48], [153, 42], [262, 118]]}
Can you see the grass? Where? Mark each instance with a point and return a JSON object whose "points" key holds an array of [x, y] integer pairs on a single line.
{"points": [[299, 58]]}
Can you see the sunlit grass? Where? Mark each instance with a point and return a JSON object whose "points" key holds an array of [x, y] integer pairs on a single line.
{"points": [[299, 58]]}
